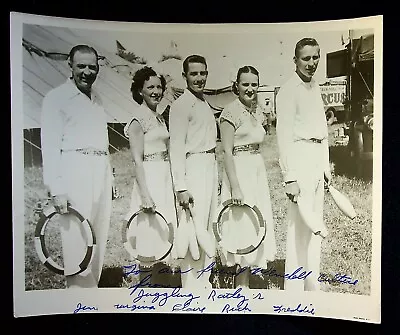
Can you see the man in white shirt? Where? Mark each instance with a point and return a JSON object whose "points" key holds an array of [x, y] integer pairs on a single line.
{"points": [[76, 167], [193, 136], [302, 137]]}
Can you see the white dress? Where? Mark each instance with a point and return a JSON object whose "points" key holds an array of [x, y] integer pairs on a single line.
{"points": [[152, 234], [253, 182]]}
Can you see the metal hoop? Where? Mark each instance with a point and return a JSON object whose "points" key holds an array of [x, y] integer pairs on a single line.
{"points": [[40, 245], [260, 234], [130, 244]]}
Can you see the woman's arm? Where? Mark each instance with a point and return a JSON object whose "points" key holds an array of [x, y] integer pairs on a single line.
{"points": [[227, 137], [136, 142]]}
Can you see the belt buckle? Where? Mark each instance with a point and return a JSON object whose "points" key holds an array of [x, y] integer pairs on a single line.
{"points": [[315, 140]]}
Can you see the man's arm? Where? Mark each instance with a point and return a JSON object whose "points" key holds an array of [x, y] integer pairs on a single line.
{"points": [[178, 128], [286, 112], [51, 140], [327, 167]]}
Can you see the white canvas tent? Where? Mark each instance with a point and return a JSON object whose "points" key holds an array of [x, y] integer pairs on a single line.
{"points": [[45, 51], [45, 67]]}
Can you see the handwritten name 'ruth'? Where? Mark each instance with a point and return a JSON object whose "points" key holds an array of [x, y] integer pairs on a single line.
{"points": [[240, 299]]}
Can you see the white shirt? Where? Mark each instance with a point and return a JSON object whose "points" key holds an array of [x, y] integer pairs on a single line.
{"points": [[192, 128], [70, 120], [300, 116]]}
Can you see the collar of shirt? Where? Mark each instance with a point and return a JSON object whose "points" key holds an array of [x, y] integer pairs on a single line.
{"points": [[298, 81], [191, 99], [72, 91], [147, 111], [241, 107]]}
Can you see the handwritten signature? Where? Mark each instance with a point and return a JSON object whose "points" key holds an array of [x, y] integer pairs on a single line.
{"points": [[307, 309], [338, 278], [145, 282], [80, 307], [242, 304], [296, 274], [212, 268], [271, 272], [161, 298], [187, 308], [135, 270], [134, 307]]}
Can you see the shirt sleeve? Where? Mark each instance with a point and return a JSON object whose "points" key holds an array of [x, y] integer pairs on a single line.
{"points": [[141, 122], [52, 125], [178, 127], [286, 113], [229, 116]]}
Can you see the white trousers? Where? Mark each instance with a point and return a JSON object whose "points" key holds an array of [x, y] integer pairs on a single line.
{"points": [[87, 180], [303, 248], [202, 183]]}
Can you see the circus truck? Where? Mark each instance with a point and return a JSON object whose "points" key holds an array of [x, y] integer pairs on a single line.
{"points": [[356, 63], [334, 95]]}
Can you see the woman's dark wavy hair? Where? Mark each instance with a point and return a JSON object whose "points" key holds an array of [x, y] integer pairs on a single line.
{"points": [[244, 69], [140, 77]]}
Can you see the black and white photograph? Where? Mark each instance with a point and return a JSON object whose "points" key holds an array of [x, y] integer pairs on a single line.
{"points": [[175, 168]]}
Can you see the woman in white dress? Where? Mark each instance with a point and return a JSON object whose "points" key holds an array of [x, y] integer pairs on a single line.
{"points": [[152, 189], [245, 178]]}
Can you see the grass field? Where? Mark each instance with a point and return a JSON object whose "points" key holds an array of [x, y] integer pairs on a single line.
{"points": [[347, 250]]}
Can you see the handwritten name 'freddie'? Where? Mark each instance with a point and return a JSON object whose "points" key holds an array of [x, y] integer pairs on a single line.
{"points": [[299, 309]]}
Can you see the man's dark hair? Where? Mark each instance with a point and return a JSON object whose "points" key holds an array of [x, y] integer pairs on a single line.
{"points": [[303, 42], [140, 77], [193, 59], [82, 48]]}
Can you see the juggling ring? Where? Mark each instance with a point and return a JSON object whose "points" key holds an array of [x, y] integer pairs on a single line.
{"points": [[40, 245], [130, 244], [260, 235]]}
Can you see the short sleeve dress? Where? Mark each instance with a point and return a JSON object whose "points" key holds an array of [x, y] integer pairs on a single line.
{"points": [[253, 182], [152, 234]]}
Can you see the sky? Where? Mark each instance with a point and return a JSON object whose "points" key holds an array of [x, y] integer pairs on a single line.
{"points": [[270, 52]]}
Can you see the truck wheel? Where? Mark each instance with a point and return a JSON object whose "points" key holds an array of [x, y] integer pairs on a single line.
{"points": [[359, 147], [330, 116]]}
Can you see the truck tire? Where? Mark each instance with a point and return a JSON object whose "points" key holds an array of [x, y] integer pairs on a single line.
{"points": [[330, 116], [359, 148]]}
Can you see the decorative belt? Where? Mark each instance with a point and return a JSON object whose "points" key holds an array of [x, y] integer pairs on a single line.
{"points": [[210, 151], [157, 156], [88, 151], [314, 140], [249, 148]]}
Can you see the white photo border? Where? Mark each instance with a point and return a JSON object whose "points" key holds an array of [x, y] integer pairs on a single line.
{"points": [[332, 305]]}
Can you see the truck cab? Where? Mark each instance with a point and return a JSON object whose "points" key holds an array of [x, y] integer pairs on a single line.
{"points": [[333, 95], [356, 62]]}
